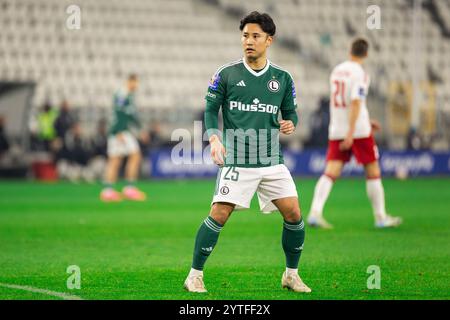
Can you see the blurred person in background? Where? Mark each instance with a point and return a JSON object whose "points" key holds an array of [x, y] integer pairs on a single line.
{"points": [[319, 125], [73, 158], [4, 143], [65, 120], [122, 143], [99, 143], [351, 134], [63, 123], [154, 139], [46, 126]]}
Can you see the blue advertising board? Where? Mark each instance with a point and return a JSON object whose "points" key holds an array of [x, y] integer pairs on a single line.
{"points": [[308, 163]]}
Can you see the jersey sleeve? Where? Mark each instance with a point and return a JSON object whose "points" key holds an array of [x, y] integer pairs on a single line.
{"points": [[214, 100], [211, 118], [359, 87], [290, 96], [216, 89], [289, 104]]}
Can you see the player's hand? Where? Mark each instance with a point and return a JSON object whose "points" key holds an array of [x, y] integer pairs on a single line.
{"points": [[287, 126], [376, 126], [346, 143], [218, 151]]}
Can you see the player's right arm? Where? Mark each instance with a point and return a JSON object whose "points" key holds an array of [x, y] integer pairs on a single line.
{"points": [[211, 125], [214, 99]]}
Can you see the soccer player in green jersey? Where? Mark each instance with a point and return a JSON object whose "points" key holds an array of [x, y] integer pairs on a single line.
{"points": [[252, 93], [122, 143]]}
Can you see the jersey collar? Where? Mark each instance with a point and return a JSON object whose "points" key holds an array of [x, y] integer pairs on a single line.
{"points": [[253, 72]]}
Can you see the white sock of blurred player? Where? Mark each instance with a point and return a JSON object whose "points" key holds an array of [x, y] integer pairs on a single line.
{"points": [[375, 192], [321, 193]]}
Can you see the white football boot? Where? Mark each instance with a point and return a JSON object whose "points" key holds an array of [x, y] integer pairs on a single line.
{"points": [[388, 222], [195, 284], [294, 283], [318, 222]]}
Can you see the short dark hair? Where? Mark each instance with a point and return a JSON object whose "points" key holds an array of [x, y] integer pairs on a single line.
{"points": [[263, 19], [360, 47], [132, 77]]}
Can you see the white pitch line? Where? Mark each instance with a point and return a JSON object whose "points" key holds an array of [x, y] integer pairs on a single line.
{"points": [[62, 295]]}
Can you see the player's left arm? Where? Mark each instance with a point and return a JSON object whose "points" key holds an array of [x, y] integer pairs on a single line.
{"points": [[358, 93], [288, 110], [355, 106]]}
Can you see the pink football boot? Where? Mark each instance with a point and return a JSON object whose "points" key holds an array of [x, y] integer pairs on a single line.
{"points": [[133, 193], [110, 195]]}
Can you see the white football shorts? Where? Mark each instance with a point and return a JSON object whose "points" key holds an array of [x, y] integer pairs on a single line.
{"points": [[118, 148], [237, 185]]}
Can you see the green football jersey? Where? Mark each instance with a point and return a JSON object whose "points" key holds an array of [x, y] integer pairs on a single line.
{"points": [[125, 112], [251, 102]]}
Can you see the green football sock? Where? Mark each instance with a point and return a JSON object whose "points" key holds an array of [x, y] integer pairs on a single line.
{"points": [[205, 241], [292, 241]]}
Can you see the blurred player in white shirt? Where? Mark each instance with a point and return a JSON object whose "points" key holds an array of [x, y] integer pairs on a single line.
{"points": [[350, 133]]}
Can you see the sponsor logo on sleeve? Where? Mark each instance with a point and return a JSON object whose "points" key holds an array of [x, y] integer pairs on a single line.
{"points": [[121, 100], [214, 82], [362, 92]]}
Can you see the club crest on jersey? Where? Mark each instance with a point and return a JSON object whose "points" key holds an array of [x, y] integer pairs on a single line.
{"points": [[273, 85], [214, 82]]}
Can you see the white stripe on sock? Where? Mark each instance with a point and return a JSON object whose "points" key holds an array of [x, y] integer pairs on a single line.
{"points": [[210, 225], [295, 227]]}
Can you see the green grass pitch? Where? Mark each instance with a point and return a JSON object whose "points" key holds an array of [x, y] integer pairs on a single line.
{"points": [[143, 250]]}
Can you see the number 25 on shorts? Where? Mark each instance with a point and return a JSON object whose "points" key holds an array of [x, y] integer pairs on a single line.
{"points": [[231, 174]]}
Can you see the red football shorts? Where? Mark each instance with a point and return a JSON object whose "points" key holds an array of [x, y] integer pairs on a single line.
{"points": [[364, 149]]}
